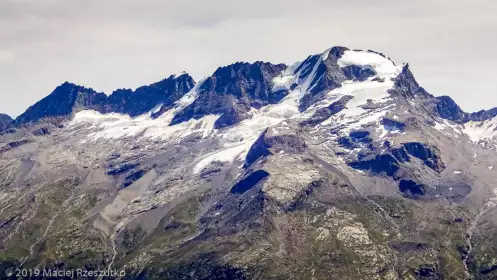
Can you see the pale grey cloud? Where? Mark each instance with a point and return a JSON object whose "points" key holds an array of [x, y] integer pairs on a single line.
{"points": [[112, 44]]}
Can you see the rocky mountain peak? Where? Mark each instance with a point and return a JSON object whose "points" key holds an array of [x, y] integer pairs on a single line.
{"points": [[5, 121], [407, 84], [322, 73], [244, 80], [232, 91], [63, 101], [161, 94], [448, 109]]}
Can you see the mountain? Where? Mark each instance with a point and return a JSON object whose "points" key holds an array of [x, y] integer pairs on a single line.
{"points": [[5, 121], [144, 99], [341, 165], [63, 101], [232, 91], [448, 109], [68, 99]]}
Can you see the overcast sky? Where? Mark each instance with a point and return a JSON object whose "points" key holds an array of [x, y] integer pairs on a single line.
{"points": [[451, 45]]}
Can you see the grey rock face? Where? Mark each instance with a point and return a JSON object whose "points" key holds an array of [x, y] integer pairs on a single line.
{"points": [[407, 84], [325, 113], [268, 142], [425, 153], [232, 90], [146, 98], [354, 72], [448, 109], [328, 75]]}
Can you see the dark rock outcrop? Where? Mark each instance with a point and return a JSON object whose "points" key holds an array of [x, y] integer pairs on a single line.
{"points": [[354, 72], [360, 136], [325, 113], [392, 125], [130, 179], [425, 153], [14, 144], [483, 115], [329, 76], [232, 91], [249, 182], [488, 270], [400, 154], [447, 108], [411, 188], [355, 139], [120, 169], [427, 271], [65, 100], [258, 150], [407, 84], [267, 142], [5, 121], [384, 163], [164, 93]]}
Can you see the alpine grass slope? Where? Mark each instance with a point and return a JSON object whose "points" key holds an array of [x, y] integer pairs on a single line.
{"points": [[337, 167]]}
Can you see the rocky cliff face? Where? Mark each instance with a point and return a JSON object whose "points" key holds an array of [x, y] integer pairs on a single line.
{"points": [[160, 96], [232, 91], [66, 99], [448, 109], [5, 121], [338, 165]]}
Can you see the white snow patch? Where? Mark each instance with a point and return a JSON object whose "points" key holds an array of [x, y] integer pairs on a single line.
{"points": [[283, 82], [383, 66], [266, 116], [179, 74], [225, 155], [448, 128], [481, 130], [354, 115], [114, 125]]}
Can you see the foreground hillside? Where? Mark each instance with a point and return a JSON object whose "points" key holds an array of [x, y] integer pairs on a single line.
{"points": [[337, 167]]}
